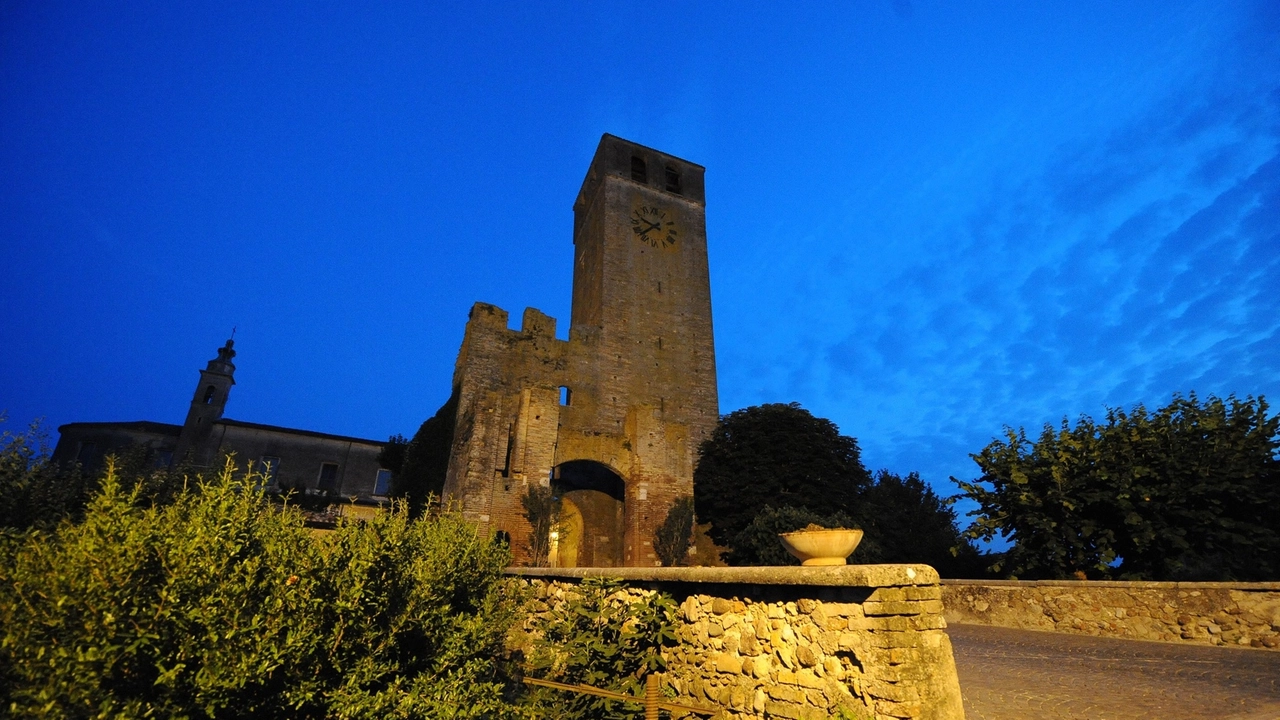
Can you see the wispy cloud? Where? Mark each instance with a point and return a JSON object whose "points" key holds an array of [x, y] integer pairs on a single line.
{"points": [[1126, 267]]}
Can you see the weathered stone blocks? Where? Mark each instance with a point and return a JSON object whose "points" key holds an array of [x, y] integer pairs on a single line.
{"points": [[802, 646], [1238, 614]]}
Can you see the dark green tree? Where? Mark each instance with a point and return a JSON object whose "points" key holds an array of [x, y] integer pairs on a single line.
{"points": [[426, 459], [391, 456], [778, 455], [909, 523], [674, 537], [1188, 492]]}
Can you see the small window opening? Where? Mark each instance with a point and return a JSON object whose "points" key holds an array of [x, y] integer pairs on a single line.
{"points": [[382, 482], [208, 395], [639, 172], [673, 180], [566, 395], [328, 480], [659, 343], [502, 537], [511, 441], [659, 287]]}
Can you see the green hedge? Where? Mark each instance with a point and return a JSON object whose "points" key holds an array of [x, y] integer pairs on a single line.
{"points": [[222, 605]]}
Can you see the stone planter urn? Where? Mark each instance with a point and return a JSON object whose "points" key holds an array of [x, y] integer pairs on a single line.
{"points": [[821, 546]]}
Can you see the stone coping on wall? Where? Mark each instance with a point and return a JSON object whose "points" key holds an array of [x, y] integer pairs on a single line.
{"points": [[1125, 584], [869, 576]]}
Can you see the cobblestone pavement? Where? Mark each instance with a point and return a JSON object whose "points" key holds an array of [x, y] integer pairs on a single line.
{"points": [[1028, 675]]}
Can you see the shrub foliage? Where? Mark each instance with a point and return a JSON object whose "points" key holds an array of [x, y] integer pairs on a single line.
{"points": [[33, 491], [758, 544], [604, 635], [221, 605]]}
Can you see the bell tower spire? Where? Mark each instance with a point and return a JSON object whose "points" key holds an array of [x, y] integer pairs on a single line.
{"points": [[207, 406]]}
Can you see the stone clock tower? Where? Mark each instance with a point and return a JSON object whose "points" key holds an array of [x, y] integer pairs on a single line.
{"points": [[611, 419]]}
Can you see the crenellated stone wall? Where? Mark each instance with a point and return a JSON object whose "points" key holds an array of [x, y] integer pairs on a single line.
{"points": [[612, 417], [1237, 614], [794, 642]]}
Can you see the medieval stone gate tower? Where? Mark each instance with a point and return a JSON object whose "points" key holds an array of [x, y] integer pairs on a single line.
{"points": [[611, 418]]}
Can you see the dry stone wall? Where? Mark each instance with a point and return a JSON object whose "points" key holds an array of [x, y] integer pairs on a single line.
{"points": [[797, 643], [1237, 614]]}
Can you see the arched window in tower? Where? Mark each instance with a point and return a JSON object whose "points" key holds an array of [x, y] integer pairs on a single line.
{"points": [[673, 180], [639, 172], [208, 395]]}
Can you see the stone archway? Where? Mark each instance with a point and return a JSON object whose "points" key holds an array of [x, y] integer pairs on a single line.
{"points": [[592, 528]]}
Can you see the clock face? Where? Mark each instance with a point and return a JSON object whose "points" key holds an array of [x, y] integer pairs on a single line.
{"points": [[654, 226]]}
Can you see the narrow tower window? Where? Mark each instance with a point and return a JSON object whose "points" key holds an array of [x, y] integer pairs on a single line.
{"points": [[208, 395], [673, 180], [566, 395], [639, 172]]}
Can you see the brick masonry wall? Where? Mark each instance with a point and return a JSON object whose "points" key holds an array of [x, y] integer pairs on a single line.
{"points": [[1237, 614], [795, 642], [639, 364]]}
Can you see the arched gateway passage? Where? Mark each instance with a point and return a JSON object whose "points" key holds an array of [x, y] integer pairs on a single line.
{"points": [[591, 520]]}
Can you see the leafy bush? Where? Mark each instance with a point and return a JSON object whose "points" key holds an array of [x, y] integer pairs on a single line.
{"points": [[603, 635], [221, 605], [675, 535], [758, 543], [33, 491], [542, 511]]}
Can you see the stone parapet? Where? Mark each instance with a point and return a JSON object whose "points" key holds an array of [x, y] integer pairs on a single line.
{"points": [[1206, 613], [793, 642]]}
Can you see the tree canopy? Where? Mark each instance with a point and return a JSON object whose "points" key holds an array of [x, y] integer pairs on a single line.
{"points": [[779, 455], [1190, 491], [777, 468], [907, 522], [424, 462]]}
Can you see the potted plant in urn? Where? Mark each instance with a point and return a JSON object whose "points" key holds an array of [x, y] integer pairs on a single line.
{"points": [[816, 545]]}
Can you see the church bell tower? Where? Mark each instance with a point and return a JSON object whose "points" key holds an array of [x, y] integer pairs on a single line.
{"points": [[207, 406]]}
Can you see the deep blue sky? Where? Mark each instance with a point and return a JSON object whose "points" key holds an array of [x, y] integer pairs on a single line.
{"points": [[926, 220]]}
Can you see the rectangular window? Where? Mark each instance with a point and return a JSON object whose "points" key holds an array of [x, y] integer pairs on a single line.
{"points": [[88, 453], [328, 477], [267, 467], [382, 483]]}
